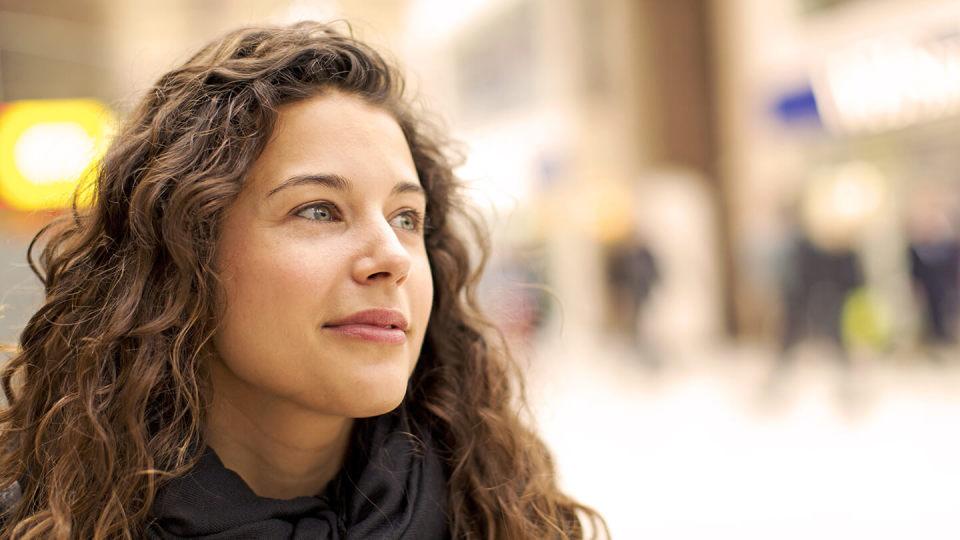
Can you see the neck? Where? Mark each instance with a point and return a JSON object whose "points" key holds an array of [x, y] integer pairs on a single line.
{"points": [[279, 448]]}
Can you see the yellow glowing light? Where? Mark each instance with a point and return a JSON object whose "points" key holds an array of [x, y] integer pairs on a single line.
{"points": [[841, 202], [47, 148]]}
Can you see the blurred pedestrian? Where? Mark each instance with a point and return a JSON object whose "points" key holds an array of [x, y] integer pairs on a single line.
{"points": [[936, 269], [817, 284], [632, 274]]}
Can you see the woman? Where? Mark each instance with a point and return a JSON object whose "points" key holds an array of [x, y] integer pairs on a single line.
{"points": [[265, 326]]}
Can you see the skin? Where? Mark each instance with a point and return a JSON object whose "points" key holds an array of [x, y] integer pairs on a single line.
{"points": [[286, 387]]}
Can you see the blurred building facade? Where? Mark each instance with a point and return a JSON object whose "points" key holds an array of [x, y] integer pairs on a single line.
{"points": [[589, 127], [675, 173], [836, 121]]}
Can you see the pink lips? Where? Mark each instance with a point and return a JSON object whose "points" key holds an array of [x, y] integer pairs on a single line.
{"points": [[386, 326]]}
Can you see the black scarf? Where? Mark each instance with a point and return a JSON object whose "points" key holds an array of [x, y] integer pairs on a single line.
{"points": [[391, 487]]}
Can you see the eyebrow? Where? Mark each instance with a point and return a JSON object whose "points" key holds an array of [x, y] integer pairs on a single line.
{"points": [[340, 183]]}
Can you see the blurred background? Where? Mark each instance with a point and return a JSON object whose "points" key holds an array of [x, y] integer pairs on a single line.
{"points": [[726, 232]]}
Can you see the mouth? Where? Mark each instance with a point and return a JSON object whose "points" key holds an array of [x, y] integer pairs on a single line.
{"points": [[387, 326], [389, 335]]}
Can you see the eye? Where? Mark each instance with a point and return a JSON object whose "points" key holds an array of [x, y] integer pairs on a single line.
{"points": [[319, 212], [411, 220]]}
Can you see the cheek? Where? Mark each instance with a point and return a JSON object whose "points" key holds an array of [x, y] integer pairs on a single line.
{"points": [[276, 291], [421, 290]]}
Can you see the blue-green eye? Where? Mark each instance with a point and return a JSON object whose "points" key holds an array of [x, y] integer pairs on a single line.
{"points": [[409, 220], [318, 212]]}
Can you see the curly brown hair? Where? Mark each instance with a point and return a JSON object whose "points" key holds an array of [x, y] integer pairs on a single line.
{"points": [[108, 389]]}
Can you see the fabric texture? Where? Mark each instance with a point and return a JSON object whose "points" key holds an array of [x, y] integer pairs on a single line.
{"points": [[391, 487]]}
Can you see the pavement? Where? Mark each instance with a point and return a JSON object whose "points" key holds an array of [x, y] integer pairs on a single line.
{"points": [[729, 442]]}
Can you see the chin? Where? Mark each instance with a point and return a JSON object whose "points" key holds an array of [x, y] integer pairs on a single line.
{"points": [[381, 403], [377, 408], [374, 396]]}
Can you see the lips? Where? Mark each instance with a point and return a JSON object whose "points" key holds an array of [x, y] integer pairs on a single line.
{"points": [[386, 326]]}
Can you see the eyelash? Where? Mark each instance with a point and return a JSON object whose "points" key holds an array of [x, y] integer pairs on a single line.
{"points": [[420, 222]]}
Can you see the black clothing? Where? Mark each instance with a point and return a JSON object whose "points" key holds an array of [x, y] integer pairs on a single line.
{"points": [[936, 267], [392, 487], [815, 291]]}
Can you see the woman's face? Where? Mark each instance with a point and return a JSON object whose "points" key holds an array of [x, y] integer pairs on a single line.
{"points": [[328, 226]]}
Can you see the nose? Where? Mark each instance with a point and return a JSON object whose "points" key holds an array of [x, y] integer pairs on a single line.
{"points": [[383, 258]]}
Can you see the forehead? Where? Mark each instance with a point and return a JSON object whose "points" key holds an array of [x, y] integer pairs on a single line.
{"points": [[334, 133]]}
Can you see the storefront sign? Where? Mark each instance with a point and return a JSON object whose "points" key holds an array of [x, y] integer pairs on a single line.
{"points": [[889, 83]]}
